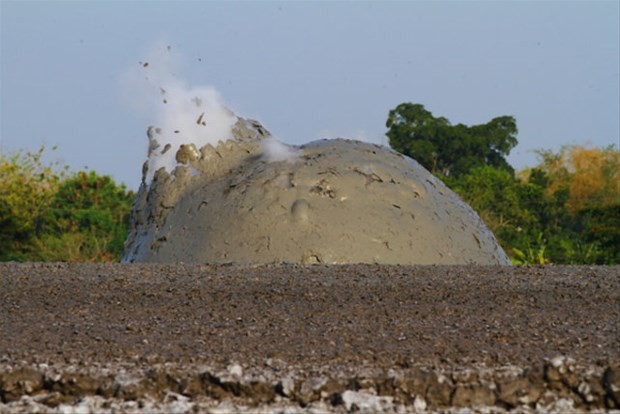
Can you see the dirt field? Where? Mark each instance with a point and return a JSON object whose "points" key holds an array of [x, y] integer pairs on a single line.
{"points": [[290, 338]]}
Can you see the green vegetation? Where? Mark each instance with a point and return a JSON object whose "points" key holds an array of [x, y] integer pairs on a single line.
{"points": [[50, 214], [564, 210], [450, 150]]}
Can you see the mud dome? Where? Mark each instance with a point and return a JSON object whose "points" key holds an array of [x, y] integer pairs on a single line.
{"points": [[334, 201]]}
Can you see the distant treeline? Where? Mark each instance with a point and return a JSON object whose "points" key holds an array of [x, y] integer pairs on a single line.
{"points": [[564, 210]]}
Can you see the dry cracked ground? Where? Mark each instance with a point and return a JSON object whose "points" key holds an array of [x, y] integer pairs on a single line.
{"points": [[290, 338]]}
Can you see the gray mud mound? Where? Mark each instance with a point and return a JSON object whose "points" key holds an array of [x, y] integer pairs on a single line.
{"points": [[334, 201]]}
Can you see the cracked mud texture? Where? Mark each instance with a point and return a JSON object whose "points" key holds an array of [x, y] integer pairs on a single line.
{"points": [[333, 202], [337, 338]]}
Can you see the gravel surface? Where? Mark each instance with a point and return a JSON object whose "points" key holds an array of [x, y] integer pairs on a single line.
{"points": [[292, 338]]}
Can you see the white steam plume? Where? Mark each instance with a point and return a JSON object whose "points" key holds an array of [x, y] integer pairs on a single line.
{"points": [[178, 114], [275, 151], [181, 114]]}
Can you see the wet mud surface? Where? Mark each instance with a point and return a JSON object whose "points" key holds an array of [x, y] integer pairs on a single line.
{"points": [[325, 338], [326, 202]]}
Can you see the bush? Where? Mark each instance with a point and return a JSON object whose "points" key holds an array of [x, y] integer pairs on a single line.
{"points": [[27, 187], [47, 215]]}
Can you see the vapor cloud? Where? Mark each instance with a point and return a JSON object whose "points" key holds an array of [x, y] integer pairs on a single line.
{"points": [[177, 113]]}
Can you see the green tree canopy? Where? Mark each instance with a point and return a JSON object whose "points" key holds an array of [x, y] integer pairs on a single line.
{"points": [[51, 214], [26, 188], [95, 211], [446, 149]]}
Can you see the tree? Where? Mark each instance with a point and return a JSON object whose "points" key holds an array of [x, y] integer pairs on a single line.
{"points": [[508, 207], [88, 219], [47, 214], [582, 188], [27, 186], [595, 177], [565, 210], [446, 149]]}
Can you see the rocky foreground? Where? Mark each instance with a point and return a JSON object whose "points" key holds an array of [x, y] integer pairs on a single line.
{"points": [[290, 338]]}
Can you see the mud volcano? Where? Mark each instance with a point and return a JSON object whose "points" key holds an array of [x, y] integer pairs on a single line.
{"points": [[253, 200]]}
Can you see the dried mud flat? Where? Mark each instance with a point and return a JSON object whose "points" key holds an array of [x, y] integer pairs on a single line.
{"points": [[289, 338]]}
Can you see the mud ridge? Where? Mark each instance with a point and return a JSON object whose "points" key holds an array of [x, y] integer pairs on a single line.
{"points": [[422, 388], [272, 338]]}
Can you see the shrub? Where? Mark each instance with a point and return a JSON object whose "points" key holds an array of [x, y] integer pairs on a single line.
{"points": [[59, 216]]}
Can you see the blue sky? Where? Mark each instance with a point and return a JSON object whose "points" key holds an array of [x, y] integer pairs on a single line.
{"points": [[310, 70]]}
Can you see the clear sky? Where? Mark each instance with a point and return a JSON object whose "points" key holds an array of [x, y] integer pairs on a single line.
{"points": [[310, 70]]}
